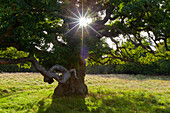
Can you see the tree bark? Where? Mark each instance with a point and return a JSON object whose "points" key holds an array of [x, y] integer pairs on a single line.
{"points": [[74, 86]]}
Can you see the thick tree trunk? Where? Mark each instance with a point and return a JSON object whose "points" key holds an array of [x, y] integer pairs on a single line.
{"points": [[73, 86]]}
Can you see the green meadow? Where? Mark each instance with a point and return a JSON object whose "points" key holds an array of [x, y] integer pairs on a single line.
{"points": [[27, 93]]}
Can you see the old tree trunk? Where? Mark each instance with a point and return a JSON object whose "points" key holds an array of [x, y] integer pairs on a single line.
{"points": [[73, 86]]}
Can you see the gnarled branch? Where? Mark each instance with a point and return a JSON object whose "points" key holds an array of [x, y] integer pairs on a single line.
{"points": [[48, 75]]}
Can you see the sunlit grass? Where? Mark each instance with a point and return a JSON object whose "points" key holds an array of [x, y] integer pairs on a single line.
{"points": [[26, 92]]}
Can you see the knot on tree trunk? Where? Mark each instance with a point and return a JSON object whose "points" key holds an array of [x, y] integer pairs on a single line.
{"points": [[56, 70]]}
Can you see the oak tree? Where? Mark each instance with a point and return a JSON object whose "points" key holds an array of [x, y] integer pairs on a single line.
{"points": [[56, 36]]}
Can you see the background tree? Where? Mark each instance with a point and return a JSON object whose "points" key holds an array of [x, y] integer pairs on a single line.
{"points": [[50, 32]]}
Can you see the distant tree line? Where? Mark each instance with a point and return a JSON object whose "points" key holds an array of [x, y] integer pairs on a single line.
{"points": [[161, 67], [148, 65], [23, 67], [131, 68]]}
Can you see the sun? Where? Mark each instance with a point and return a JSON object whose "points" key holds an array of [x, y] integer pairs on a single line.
{"points": [[84, 21]]}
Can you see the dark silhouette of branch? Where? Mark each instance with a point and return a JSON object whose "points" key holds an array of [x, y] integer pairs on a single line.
{"points": [[48, 75]]}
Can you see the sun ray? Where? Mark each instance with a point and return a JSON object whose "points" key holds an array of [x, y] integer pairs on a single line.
{"points": [[95, 30], [86, 13], [86, 30], [93, 13], [77, 30], [74, 22], [82, 10], [74, 14], [82, 39], [71, 17], [71, 29], [78, 12]]}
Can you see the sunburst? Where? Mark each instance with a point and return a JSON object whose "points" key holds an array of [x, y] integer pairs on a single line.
{"points": [[84, 21]]}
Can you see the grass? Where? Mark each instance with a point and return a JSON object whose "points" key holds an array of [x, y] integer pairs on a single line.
{"points": [[27, 93]]}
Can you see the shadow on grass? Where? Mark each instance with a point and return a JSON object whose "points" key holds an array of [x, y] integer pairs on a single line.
{"points": [[64, 105], [127, 103], [120, 102]]}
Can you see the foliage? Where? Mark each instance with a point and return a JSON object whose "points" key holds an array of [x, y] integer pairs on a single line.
{"points": [[22, 67], [41, 27], [11, 52], [19, 92], [138, 61], [159, 67], [29, 24], [140, 35]]}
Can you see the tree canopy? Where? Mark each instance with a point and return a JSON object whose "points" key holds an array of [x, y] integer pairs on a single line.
{"points": [[34, 25]]}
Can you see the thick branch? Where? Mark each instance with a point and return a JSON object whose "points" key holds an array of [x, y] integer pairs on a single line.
{"points": [[14, 61], [48, 75]]}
